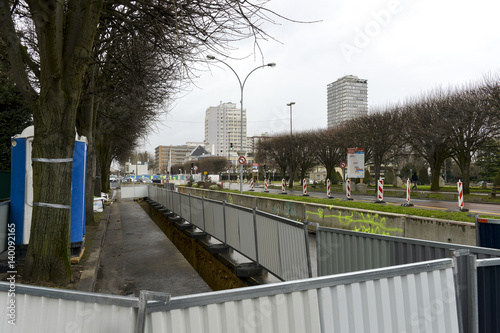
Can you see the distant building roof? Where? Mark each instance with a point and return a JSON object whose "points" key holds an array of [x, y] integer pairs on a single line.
{"points": [[198, 151]]}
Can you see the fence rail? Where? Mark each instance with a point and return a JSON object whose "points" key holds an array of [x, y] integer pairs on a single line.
{"points": [[392, 299], [342, 251], [278, 244]]}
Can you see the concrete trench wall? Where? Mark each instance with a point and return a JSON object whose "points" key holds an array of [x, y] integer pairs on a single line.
{"points": [[351, 218]]}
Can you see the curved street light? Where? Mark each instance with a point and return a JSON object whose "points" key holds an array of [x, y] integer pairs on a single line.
{"points": [[242, 85]]}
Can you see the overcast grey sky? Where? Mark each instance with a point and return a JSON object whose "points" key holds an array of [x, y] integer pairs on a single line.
{"points": [[402, 47]]}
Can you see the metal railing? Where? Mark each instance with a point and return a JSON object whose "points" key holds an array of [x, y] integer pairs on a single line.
{"points": [[342, 251], [278, 244], [416, 297]]}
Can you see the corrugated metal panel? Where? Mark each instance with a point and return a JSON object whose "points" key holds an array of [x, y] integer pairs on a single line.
{"points": [[58, 313], [214, 219], [488, 295], [176, 203], [170, 200], [340, 251], [293, 252], [420, 302], [232, 227], [136, 191], [197, 212], [411, 298], [247, 234], [208, 210], [185, 207], [219, 222], [282, 313], [240, 231], [268, 246]]}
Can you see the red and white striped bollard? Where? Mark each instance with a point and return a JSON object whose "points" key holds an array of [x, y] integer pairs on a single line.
{"points": [[251, 185], [461, 196], [283, 186], [328, 189], [408, 190], [348, 189], [380, 191], [265, 186], [304, 188]]}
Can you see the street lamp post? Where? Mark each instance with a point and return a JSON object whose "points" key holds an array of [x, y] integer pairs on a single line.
{"points": [[290, 105], [242, 85]]}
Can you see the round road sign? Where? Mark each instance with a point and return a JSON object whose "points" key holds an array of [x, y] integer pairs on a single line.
{"points": [[195, 167], [242, 160], [342, 165]]}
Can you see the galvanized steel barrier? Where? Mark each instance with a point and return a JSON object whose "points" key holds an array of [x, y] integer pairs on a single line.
{"points": [[278, 244], [417, 297], [485, 282], [341, 251]]}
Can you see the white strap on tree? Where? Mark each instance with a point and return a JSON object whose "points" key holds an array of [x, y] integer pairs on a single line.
{"points": [[53, 160], [43, 204]]}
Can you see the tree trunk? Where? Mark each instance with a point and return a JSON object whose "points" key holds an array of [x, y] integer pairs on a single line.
{"points": [[65, 34], [378, 163], [86, 124], [47, 258], [464, 165], [291, 171], [435, 172]]}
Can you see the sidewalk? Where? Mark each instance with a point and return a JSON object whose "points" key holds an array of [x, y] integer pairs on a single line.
{"points": [[136, 255]]}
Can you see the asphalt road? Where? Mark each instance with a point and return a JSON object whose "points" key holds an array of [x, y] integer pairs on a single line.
{"points": [[474, 208]]}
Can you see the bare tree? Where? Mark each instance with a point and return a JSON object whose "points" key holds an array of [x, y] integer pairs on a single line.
{"points": [[428, 131], [378, 133], [330, 149], [212, 165], [475, 121], [274, 149], [50, 71], [306, 160]]}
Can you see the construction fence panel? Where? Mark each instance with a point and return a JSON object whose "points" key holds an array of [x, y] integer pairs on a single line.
{"points": [[197, 212], [240, 230], [39, 309], [411, 298], [185, 207], [134, 191], [488, 295], [176, 203], [341, 251]]}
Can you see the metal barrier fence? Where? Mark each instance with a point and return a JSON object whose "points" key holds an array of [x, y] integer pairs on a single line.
{"points": [[278, 244], [488, 232], [486, 283], [342, 251], [135, 191], [418, 297]]}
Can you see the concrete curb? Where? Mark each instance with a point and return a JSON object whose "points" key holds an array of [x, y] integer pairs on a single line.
{"points": [[88, 278]]}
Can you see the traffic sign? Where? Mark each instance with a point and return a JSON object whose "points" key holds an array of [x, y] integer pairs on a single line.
{"points": [[343, 165], [195, 167], [242, 160]]}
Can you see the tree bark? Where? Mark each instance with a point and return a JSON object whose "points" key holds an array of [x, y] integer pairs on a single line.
{"points": [[65, 37]]}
